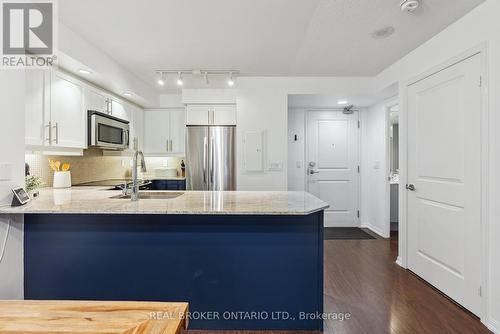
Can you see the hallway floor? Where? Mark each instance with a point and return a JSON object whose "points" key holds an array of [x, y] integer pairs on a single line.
{"points": [[362, 279]]}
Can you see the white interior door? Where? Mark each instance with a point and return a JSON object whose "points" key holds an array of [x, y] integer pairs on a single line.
{"points": [[444, 168], [332, 158]]}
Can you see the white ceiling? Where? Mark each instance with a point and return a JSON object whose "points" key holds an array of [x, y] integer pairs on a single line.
{"points": [[258, 37]]}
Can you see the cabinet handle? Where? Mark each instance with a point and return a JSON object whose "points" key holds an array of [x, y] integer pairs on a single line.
{"points": [[171, 146], [57, 133], [167, 145], [50, 132]]}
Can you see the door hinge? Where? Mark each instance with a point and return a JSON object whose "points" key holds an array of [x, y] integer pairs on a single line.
{"points": [[480, 291], [359, 124], [359, 169], [480, 81], [358, 214]]}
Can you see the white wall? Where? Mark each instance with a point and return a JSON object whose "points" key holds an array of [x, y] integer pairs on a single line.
{"points": [[374, 168], [296, 149], [480, 25], [262, 104], [12, 85]]}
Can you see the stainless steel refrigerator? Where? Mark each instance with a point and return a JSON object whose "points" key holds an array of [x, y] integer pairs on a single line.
{"points": [[210, 157]]}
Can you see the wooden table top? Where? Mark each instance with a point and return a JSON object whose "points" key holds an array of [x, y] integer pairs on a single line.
{"points": [[85, 317]]}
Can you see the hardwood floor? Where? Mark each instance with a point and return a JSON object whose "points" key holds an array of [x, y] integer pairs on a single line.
{"points": [[361, 278]]}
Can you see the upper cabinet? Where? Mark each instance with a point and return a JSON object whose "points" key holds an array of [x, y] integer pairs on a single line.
{"points": [[56, 112], [164, 132], [96, 100], [119, 110], [67, 119], [37, 107], [223, 114]]}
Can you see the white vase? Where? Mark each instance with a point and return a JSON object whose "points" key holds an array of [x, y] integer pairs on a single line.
{"points": [[62, 179]]}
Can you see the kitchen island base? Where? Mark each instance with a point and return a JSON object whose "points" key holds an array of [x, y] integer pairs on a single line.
{"points": [[240, 272]]}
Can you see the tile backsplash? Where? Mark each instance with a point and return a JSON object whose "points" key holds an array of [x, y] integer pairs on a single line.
{"points": [[94, 166]]}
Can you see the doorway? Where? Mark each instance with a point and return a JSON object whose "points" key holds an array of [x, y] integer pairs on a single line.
{"points": [[323, 153], [444, 183], [393, 179]]}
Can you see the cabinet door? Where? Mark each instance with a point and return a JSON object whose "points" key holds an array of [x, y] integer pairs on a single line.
{"points": [[156, 131], [67, 111], [224, 114], [198, 115], [37, 108], [177, 131], [95, 100], [137, 127], [118, 110]]}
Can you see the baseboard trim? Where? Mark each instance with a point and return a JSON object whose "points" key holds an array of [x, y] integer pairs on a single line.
{"points": [[399, 261], [374, 229], [493, 325]]}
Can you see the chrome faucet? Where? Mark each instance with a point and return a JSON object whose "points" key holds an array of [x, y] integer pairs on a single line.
{"points": [[134, 195]]}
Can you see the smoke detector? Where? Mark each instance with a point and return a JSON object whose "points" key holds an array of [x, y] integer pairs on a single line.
{"points": [[409, 5]]}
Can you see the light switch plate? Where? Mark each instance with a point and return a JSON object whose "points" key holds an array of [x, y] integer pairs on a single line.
{"points": [[275, 166], [5, 171]]}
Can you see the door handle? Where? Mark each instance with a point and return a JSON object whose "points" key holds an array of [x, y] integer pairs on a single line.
{"points": [[312, 171], [410, 187]]}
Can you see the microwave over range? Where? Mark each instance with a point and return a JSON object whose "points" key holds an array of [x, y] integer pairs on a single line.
{"points": [[107, 132]]}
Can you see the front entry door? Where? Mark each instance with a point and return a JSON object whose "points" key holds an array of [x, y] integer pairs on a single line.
{"points": [[332, 158], [444, 181]]}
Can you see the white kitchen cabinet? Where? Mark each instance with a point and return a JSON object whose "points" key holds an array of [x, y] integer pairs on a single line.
{"points": [[67, 116], [37, 112], [164, 132], [177, 131], [118, 110], [136, 127], [96, 100], [198, 114], [223, 114]]}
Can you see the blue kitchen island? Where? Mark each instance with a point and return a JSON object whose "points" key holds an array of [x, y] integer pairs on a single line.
{"points": [[243, 260]]}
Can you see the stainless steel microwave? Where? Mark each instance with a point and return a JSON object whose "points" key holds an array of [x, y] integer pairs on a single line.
{"points": [[108, 132]]}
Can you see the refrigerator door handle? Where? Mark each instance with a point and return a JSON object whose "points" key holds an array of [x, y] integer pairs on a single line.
{"points": [[205, 153], [211, 163]]}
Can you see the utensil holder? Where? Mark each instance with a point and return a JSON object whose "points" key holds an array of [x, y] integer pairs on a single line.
{"points": [[62, 180]]}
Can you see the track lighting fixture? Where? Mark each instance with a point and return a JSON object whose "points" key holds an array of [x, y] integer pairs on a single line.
{"points": [[229, 76], [230, 81], [180, 82], [161, 79]]}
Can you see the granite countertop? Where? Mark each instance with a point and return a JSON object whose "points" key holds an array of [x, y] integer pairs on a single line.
{"points": [[96, 200]]}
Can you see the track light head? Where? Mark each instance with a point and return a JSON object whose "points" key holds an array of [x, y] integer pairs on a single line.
{"points": [[180, 82], [161, 79], [230, 81]]}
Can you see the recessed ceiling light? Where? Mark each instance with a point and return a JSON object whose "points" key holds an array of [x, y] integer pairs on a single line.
{"points": [[342, 102], [84, 71], [128, 94], [383, 32]]}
